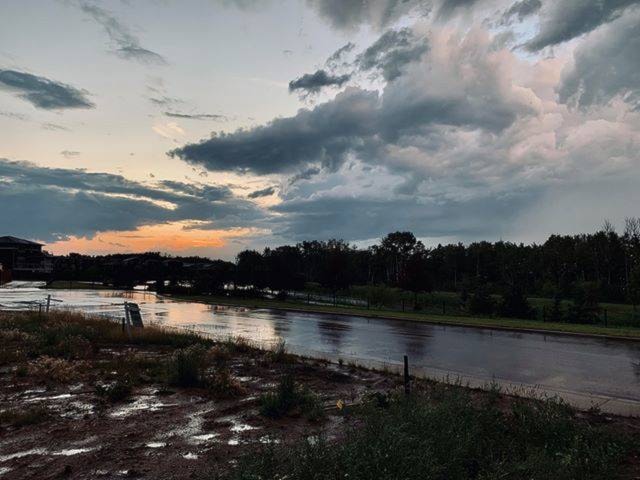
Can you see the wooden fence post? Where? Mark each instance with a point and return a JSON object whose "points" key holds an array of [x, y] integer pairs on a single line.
{"points": [[48, 302], [407, 381]]}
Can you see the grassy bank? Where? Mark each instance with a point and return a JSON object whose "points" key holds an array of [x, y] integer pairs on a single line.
{"points": [[447, 434], [490, 322], [229, 410]]}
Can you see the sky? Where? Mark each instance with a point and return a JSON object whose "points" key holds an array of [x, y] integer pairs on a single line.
{"points": [[205, 127]]}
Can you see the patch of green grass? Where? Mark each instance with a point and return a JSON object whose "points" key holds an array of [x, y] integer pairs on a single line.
{"points": [[73, 335], [187, 367], [289, 398], [450, 435]]}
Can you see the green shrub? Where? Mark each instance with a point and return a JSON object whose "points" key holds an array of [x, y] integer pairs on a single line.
{"points": [[291, 399], [221, 384], [186, 367], [117, 391]]}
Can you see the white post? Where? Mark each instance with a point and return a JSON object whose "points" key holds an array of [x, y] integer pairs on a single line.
{"points": [[128, 317]]}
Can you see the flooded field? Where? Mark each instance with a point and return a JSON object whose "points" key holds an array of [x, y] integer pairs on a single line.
{"points": [[564, 364]]}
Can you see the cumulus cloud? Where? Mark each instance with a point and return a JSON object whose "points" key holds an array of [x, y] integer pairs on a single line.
{"points": [[606, 65], [42, 92], [562, 21], [37, 200], [127, 44], [314, 82], [458, 144], [464, 84]]}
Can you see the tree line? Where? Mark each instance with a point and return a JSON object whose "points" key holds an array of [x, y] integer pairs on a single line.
{"points": [[603, 266]]}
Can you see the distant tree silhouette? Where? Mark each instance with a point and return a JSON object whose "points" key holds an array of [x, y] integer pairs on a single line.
{"points": [[514, 303]]}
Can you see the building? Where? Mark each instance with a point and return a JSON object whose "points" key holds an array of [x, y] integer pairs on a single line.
{"points": [[24, 257], [5, 274]]}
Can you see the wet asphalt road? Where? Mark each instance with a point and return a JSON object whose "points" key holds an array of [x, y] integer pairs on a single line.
{"points": [[609, 368]]}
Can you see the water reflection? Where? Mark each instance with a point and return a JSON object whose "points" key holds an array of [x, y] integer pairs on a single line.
{"points": [[588, 365]]}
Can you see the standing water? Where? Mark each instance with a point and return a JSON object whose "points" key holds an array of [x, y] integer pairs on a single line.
{"points": [[557, 363]]}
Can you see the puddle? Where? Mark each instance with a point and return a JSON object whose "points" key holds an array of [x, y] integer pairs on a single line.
{"points": [[71, 451], [4, 470], [234, 441], [193, 426], [156, 444], [190, 456], [24, 453], [266, 439], [52, 398], [140, 404], [237, 426], [78, 410], [205, 437], [241, 427], [32, 391]]}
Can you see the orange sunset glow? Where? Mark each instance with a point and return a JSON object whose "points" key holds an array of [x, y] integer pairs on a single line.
{"points": [[170, 237]]}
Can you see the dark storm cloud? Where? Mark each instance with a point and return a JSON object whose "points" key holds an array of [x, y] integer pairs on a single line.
{"points": [[362, 122], [605, 65], [362, 217], [449, 7], [563, 20], [323, 135], [391, 52], [128, 45], [521, 10], [42, 92], [36, 202], [265, 192], [314, 82], [336, 57], [349, 15], [198, 116]]}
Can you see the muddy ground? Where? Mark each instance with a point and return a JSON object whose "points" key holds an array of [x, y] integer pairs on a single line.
{"points": [[160, 432]]}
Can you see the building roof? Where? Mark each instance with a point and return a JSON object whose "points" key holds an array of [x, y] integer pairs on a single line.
{"points": [[7, 240]]}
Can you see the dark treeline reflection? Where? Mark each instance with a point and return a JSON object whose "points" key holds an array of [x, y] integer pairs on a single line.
{"points": [[588, 268]]}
